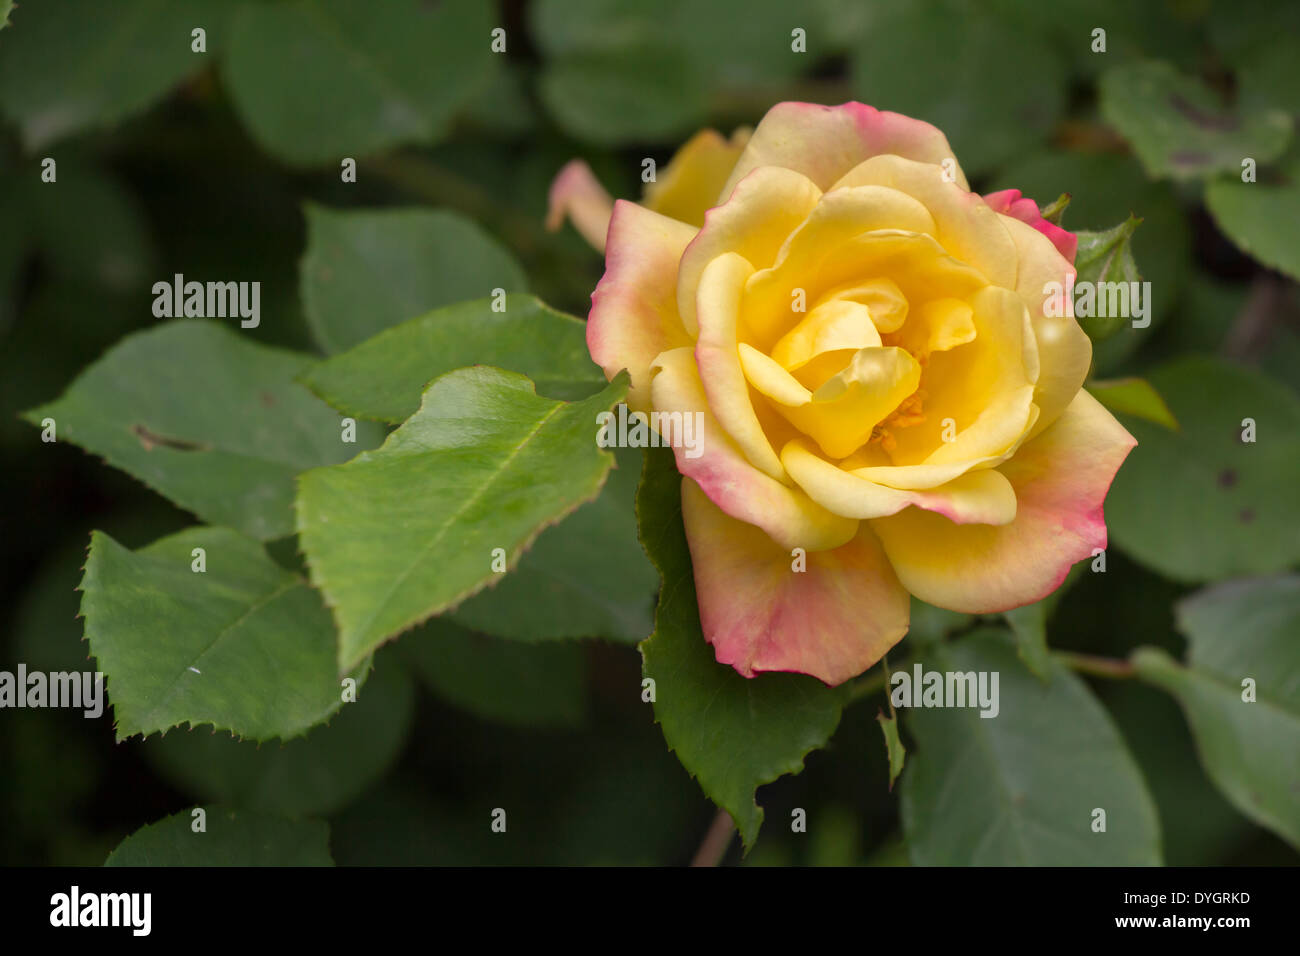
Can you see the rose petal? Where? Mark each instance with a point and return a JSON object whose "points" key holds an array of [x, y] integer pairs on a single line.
{"points": [[785, 513], [754, 223], [966, 227], [1060, 480], [825, 142], [1064, 349], [833, 620], [983, 497], [579, 196], [1009, 202], [634, 308], [691, 183]]}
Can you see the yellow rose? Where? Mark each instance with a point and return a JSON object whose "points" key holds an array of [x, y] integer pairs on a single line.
{"points": [[866, 343]]}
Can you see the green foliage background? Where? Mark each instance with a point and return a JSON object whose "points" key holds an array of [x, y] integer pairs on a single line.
{"points": [[225, 165]]}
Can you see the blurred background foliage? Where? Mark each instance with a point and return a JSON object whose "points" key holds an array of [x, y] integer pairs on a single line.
{"points": [[220, 163]]}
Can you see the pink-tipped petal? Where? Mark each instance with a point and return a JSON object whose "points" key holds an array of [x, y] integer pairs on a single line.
{"points": [[833, 619], [825, 142], [1011, 203], [781, 513], [577, 195], [634, 308], [1060, 480]]}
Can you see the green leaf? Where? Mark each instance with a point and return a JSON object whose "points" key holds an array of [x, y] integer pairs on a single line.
{"points": [[585, 577], [318, 80], [1201, 503], [731, 733], [62, 69], [930, 624], [1029, 625], [1136, 397], [1260, 216], [893, 746], [244, 645], [384, 376], [944, 62], [230, 838], [207, 418], [1054, 211], [408, 531], [1249, 743], [626, 96], [6, 8], [1178, 127], [525, 685], [315, 775], [366, 270], [1021, 788], [1105, 257]]}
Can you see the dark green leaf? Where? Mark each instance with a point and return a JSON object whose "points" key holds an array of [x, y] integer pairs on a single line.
{"points": [[317, 774], [207, 418], [1021, 788], [318, 80], [731, 733], [528, 685], [230, 838], [585, 577], [366, 270], [1180, 129], [244, 645], [1201, 503], [1260, 217], [62, 69], [1248, 740]]}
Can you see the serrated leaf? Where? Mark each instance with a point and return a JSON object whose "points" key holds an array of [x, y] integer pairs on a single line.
{"points": [[1179, 128], [1201, 503], [1021, 788], [1260, 217], [585, 577], [207, 418], [384, 376], [893, 746], [731, 733], [525, 685], [318, 80], [314, 775], [366, 270], [61, 69], [1105, 257], [1250, 748], [408, 531], [1136, 397], [231, 838], [244, 646]]}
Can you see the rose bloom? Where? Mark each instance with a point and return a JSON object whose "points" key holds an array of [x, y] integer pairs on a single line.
{"points": [[866, 340]]}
